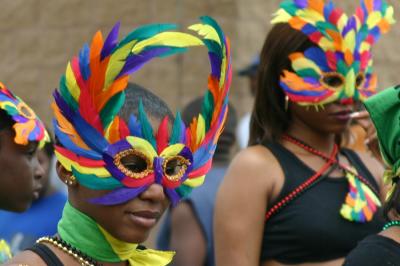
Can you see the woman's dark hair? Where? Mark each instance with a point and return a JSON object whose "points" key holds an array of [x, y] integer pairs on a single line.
{"points": [[392, 206], [153, 105], [269, 118], [6, 120]]}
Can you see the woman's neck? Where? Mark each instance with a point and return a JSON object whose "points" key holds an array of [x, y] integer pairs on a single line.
{"points": [[321, 141]]}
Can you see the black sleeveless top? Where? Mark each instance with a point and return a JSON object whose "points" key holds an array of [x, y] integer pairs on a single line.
{"points": [[310, 228], [375, 250]]}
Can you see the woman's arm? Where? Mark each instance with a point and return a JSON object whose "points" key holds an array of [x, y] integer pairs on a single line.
{"points": [[241, 206]]}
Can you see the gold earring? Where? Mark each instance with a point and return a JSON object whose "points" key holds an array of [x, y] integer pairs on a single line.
{"points": [[70, 180], [286, 103]]}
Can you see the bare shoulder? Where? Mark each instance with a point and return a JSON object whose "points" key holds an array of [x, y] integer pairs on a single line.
{"points": [[255, 166], [26, 258]]}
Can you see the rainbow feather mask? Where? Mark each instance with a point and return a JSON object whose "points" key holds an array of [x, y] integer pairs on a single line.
{"points": [[28, 126], [94, 140], [339, 67]]}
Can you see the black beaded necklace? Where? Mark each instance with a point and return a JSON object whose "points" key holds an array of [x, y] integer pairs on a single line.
{"points": [[78, 255]]}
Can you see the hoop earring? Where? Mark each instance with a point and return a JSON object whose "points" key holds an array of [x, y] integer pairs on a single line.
{"points": [[286, 103]]}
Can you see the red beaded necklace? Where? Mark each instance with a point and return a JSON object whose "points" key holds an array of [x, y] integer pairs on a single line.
{"points": [[330, 160]]}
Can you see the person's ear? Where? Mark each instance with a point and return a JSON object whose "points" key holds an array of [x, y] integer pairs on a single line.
{"points": [[65, 176]]}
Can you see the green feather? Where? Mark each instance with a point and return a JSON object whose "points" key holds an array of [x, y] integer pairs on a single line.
{"points": [[147, 130], [111, 109], [289, 7], [207, 108], [66, 94], [213, 47], [176, 129], [145, 32], [308, 72], [184, 190], [95, 183], [342, 67]]}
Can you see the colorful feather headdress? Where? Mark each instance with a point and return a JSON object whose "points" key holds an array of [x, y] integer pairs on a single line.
{"points": [[95, 142], [28, 126], [339, 67]]}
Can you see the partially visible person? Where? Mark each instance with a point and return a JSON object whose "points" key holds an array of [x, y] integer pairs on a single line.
{"points": [[21, 132], [243, 127], [295, 196], [188, 227], [384, 248], [119, 151], [21, 230]]}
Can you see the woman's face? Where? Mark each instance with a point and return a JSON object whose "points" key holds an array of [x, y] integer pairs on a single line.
{"points": [[332, 118], [45, 162], [20, 173], [131, 221]]}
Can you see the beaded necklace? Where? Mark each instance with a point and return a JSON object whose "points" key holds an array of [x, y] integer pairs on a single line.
{"points": [[390, 224], [330, 160], [78, 255]]}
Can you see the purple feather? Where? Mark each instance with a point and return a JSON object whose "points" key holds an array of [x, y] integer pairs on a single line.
{"points": [[112, 168], [135, 62], [158, 170], [301, 3], [215, 62], [377, 5], [311, 80], [351, 25], [173, 196], [111, 41], [63, 106], [118, 196], [117, 147]]}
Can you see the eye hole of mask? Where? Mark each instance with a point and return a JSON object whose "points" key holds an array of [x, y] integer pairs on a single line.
{"points": [[360, 80], [133, 163], [332, 80], [175, 167]]}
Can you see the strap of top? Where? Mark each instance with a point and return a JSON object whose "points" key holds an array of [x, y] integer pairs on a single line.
{"points": [[357, 163], [46, 254]]}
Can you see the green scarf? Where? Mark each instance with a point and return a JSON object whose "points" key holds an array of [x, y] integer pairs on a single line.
{"points": [[384, 109], [83, 233]]}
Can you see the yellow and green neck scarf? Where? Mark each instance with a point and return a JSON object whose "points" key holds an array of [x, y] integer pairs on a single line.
{"points": [[83, 233]]}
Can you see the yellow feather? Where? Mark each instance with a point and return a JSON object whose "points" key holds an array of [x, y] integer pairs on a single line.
{"points": [[373, 19], [302, 63], [67, 163], [201, 129], [143, 146], [172, 150], [175, 39], [349, 41], [71, 83], [310, 16], [206, 31], [281, 16], [116, 63], [195, 182]]}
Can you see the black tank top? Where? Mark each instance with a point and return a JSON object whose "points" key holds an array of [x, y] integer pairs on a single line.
{"points": [[310, 228]]}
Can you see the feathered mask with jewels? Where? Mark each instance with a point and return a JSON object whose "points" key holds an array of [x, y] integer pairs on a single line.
{"points": [[95, 143], [339, 66], [28, 126]]}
